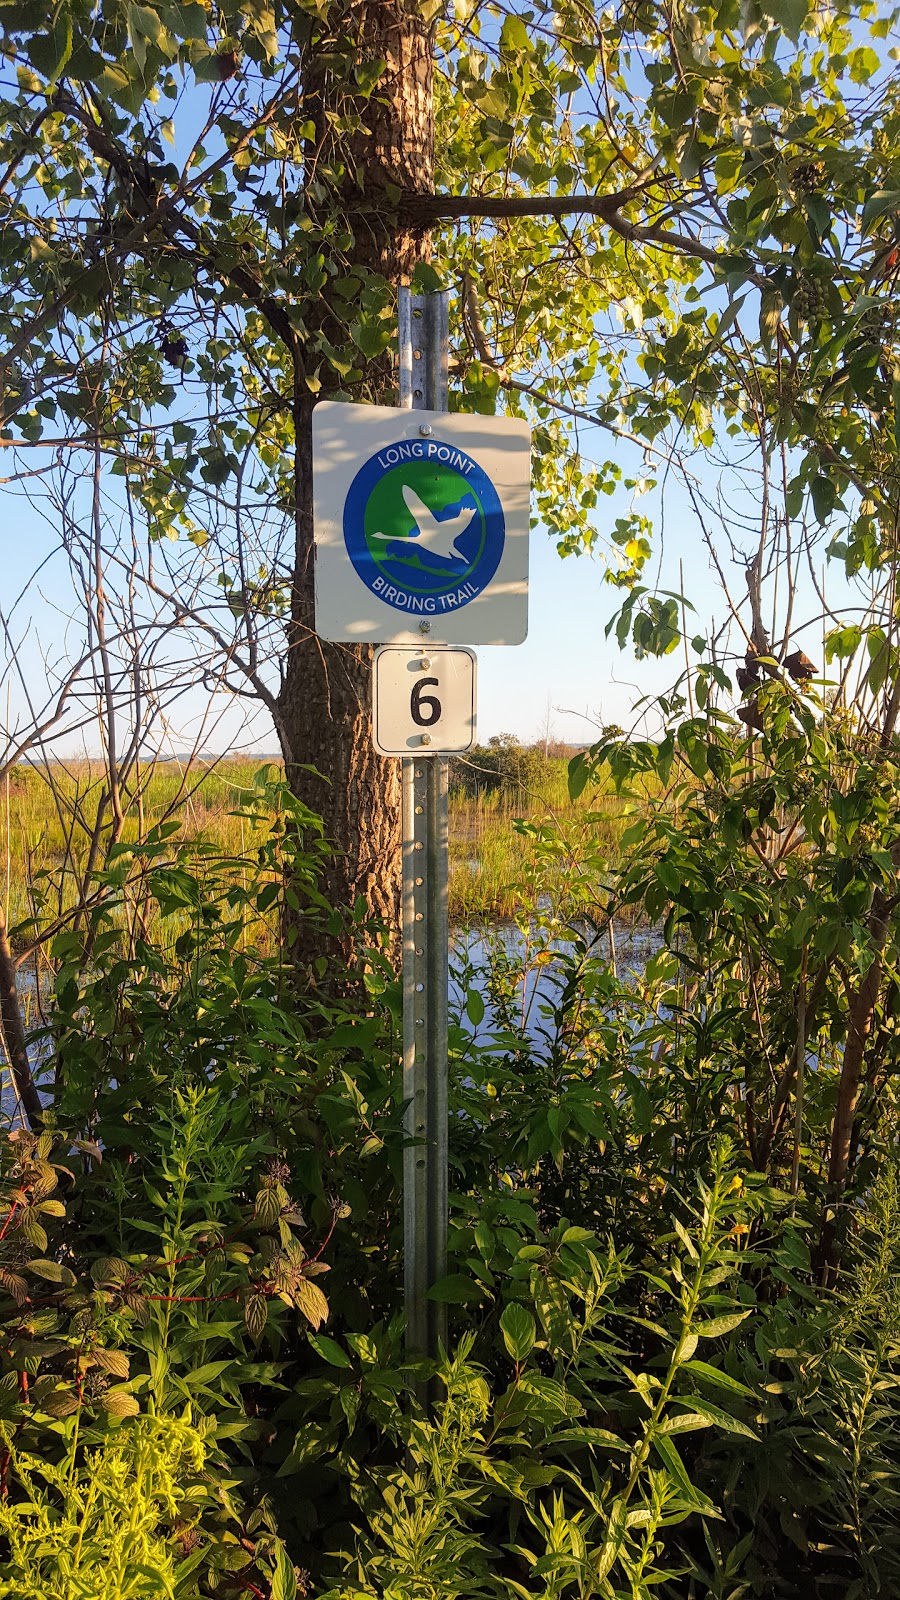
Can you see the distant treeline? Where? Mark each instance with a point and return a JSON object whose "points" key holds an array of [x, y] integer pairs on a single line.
{"points": [[503, 764]]}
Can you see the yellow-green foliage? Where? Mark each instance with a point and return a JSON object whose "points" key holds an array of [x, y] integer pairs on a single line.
{"points": [[48, 816], [98, 1524]]}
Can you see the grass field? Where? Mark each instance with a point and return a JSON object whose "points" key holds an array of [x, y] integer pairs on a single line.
{"points": [[46, 830], [494, 866]]}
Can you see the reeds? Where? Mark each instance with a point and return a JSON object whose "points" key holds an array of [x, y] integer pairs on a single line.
{"points": [[492, 861], [47, 816]]}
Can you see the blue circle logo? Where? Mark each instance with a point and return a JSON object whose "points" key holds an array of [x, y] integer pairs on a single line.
{"points": [[424, 527]]}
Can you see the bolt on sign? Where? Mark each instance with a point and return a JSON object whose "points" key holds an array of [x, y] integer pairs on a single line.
{"points": [[421, 525]]}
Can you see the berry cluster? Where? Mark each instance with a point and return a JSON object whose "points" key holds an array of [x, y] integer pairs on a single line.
{"points": [[95, 1384], [808, 299], [807, 177], [172, 344]]}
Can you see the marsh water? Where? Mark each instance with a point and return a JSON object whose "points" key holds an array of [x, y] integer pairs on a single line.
{"points": [[473, 949]]}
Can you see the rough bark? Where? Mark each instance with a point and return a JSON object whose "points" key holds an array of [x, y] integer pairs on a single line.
{"points": [[14, 1032], [325, 702]]}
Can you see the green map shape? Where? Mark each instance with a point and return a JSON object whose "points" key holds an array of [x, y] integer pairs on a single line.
{"points": [[387, 518]]}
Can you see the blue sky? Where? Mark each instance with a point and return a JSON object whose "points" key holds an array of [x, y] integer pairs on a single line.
{"points": [[565, 680]]}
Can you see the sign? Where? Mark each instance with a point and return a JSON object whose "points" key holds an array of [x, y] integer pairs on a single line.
{"points": [[421, 525], [423, 701]]}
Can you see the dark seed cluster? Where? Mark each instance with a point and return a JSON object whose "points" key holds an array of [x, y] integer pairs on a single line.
{"points": [[807, 178], [808, 299]]}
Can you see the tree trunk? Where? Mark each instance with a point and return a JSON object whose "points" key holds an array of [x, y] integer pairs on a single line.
{"points": [[859, 1027], [325, 702], [13, 1031]]}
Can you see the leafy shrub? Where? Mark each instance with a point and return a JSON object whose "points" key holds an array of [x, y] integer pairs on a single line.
{"points": [[502, 766], [646, 1391], [103, 1522]]}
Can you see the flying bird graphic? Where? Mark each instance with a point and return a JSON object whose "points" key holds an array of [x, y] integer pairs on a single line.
{"points": [[438, 538]]}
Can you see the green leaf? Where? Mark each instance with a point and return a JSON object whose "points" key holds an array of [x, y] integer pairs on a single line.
{"points": [[115, 1362], [455, 1289], [64, 1402], [615, 1537], [716, 1326], [674, 1465], [256, 1314], [552, 1397], [309, 1299], [514, 38], [284, 1582], [217, 468], [119, 1403], [878, 205], [330, 1350], [371, 338], [843, 642], [579, 772], [685, 1422], [722, 1419], [368, 75], [789, 15], [720, 1379], [474, 1007], [52, 1272], [425, 279], [110, 1271], [518, 1328], [588, 1435], [29, 82]]}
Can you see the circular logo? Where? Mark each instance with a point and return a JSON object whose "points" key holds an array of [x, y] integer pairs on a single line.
{"points": [[423, 526]]}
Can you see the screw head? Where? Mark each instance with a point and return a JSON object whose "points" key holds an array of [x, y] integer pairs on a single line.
{"points": [[426, 738], [425, 430], [424, 627], [426, 663]]}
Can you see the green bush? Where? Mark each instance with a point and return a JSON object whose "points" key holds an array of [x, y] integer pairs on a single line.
{"points": [[103, 1522], [647, 1390], [503, 767]]}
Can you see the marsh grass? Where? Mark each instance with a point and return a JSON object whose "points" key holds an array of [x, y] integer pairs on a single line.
{"points": [[47, 816], [497, 838]]}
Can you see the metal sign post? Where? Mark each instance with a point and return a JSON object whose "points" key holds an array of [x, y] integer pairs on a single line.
{"points": [[421, 520], [424, 345]]}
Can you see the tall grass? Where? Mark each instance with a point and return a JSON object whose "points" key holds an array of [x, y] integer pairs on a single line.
{"points": [[47, 817], [490, 856]]}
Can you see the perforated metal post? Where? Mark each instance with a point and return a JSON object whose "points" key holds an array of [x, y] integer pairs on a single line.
{"points": [[424, 345]]}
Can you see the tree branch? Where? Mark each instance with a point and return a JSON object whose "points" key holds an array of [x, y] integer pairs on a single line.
{"points": [[424, 210], [13, 1030]]}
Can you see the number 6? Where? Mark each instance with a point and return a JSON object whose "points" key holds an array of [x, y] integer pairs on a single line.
{"points": [[425, 709]]}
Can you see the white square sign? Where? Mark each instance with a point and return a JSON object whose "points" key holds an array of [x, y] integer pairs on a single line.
{"points": [[423, 701], [421, 525]]}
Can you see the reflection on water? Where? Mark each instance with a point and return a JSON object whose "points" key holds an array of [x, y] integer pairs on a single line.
{"points": [[11, 1113]]}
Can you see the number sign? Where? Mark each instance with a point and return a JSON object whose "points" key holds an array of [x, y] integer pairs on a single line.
{"points": [[423, 701]]}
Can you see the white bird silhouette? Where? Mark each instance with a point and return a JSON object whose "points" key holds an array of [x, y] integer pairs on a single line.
{"points": [[438, 538]]}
